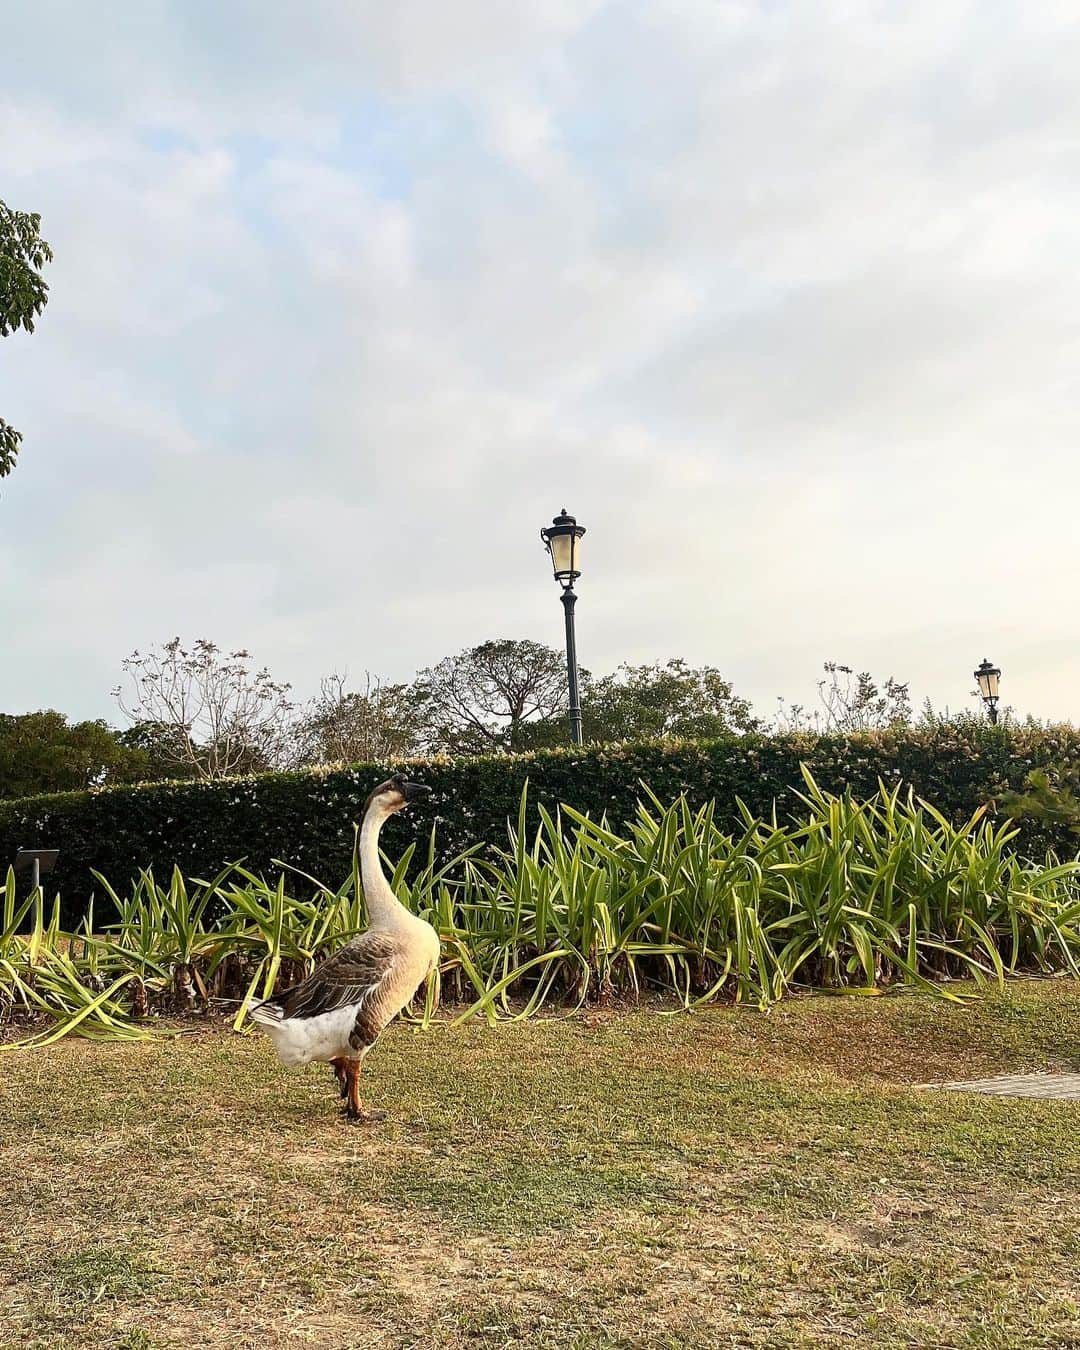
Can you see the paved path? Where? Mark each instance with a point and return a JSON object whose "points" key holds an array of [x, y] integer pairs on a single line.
{"points": [[1061, 1087]]}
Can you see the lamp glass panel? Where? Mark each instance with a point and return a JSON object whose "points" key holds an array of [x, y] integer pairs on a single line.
{"points": [[988, 683], [563, 552]]}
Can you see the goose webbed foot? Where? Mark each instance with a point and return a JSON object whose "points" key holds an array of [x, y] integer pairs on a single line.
{"points": [[369, 1116]]}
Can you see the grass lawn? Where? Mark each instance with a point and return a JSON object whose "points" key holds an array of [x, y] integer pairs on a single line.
{"points": [[624, 1179]]}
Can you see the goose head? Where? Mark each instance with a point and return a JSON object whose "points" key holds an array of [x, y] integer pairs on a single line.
{"points": [[394, 795]]}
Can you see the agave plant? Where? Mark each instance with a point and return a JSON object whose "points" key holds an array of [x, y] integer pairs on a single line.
{"points": [[851, 897]]}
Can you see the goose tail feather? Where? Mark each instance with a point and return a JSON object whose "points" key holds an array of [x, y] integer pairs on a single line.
{"points": [[268, 1014]]}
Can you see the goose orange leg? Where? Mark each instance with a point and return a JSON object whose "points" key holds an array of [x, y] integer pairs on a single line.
{"points": [[341, 1073], [354, 1107]]}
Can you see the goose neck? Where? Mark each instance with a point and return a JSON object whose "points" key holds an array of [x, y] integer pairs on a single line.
{"points": [[384, 908]]}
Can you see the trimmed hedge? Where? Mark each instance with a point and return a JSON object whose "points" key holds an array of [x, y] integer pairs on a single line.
{"points": [[306, 818]]}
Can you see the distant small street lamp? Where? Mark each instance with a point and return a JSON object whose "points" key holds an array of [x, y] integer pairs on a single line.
{"points": [[988, 677], [562, 539]]}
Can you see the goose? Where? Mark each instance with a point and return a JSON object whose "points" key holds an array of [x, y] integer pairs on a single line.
{"points": [[336, 1014]]}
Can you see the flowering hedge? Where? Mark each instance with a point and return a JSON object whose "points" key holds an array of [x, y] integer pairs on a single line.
{"points": [[306, 818]]}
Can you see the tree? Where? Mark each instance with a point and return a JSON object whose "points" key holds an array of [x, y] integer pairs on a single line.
{"points": [[24, 293], [381, 722], [218, 714], [856, 703], [43, 752], [157, 751], [663, 700], [849, 702], [484, 699]]}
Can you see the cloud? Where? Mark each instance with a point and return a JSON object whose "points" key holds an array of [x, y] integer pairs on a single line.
{"points": [[349, 299]]}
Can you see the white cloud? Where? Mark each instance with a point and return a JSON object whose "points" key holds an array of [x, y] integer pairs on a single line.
{"points": [[349, 299]]}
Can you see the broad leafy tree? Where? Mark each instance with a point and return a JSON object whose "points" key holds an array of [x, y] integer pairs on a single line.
{"points": [[44, 752], [157, 751], [674, 699], [24, 293]]}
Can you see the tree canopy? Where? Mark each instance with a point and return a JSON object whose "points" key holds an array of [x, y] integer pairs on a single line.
{"points": [[213, 713], [379, 722], [484, 699], [24, 293], [850, 702], [44, 752], [199, 712], [674, 699]]}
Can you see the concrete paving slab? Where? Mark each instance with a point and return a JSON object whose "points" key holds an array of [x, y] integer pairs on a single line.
{"points": [[1060, 1087]]}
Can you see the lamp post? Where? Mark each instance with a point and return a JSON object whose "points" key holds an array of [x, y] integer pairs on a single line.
{"points": [[562, 539], [988, 677]]}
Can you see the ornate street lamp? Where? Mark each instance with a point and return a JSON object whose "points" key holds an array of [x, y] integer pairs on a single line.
{"points": [[988, 677], [562, 539]]}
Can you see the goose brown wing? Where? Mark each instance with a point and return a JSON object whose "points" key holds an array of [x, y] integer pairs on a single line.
{"points": [[350, 977]]}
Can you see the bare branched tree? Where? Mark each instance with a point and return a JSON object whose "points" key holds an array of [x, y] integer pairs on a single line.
{"points": [[222, 716], [482, 699], [849, 702], [792, 717], [856, 703], [372, 725]]}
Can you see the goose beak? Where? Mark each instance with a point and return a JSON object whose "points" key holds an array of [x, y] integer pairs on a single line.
{"points": [[413, 792]]}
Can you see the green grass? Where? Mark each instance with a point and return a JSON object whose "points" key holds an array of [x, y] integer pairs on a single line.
{"points": [[728, 1178]]}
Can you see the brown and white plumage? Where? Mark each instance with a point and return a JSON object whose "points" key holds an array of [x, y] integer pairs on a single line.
{"points": [[337, 1013]]}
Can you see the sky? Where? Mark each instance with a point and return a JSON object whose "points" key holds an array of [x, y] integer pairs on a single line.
{"points": [[781, 300]]}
